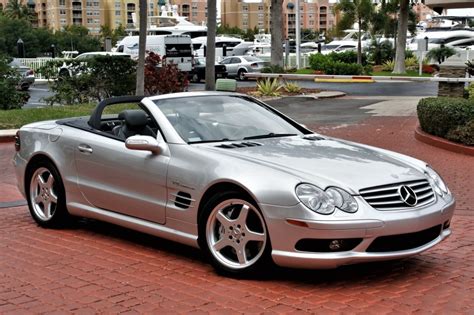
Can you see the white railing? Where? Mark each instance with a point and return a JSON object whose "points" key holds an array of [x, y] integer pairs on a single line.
{"points": [[36, 63]]}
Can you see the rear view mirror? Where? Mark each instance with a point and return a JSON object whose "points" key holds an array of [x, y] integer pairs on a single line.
{"points": [[143, 143]]}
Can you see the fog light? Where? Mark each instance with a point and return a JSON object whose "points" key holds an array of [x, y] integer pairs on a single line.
{"points": [[446, 225], [335, 244]]}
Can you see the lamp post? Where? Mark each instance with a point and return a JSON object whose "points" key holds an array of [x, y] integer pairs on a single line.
{"points": [[298, 33], [20, 46]]}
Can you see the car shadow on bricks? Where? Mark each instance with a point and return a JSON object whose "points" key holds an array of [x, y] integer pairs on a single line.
{"points": [[130, 241]]}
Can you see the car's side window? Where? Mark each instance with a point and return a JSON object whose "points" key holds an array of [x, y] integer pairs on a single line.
{"points": [[235, 60], [226, 61], [128, 119]]}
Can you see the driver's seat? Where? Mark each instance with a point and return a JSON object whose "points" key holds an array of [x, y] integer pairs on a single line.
{"points": [[135, 122]]}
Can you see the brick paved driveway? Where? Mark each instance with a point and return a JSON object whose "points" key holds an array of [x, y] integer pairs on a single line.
{"points": [[97, 267]]}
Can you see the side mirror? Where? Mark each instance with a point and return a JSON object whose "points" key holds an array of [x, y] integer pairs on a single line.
{"points": [[143, 143]]}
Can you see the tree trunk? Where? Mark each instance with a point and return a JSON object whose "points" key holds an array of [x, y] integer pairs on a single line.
{"points": [[401, 38], [211, 45], [276, 30], [140, 86], [359, 44]]}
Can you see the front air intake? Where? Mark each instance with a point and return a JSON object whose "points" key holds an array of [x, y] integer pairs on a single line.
{"points": [[237, 145]]}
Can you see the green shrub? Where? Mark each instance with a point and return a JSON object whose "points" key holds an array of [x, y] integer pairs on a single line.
{"points": [[10, 98], [443, 115], [292, 87], [411, 63], [99, 78], [348, 56], [330, 64], [273, 69], [269, 87], [388, 65], [463, 134]]}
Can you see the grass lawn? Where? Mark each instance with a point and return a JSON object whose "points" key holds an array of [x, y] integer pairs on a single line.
{"points": [[304, 71], [410, 73], [15, 118]]}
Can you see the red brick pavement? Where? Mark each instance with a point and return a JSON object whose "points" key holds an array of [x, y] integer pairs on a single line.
{"points": [[97, 267]]}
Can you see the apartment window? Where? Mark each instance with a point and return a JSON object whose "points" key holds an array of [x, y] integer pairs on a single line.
{"points": [[118, 13], [195, 13], [88, 4], [118, 5], [63, 21], [245, 8], [89, 21], [260, 8], [62, 11], [260, 16], [62, 2]]}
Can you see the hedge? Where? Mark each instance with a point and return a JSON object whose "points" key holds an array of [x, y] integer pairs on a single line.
{"points": [[450, 118], [343, 63]]}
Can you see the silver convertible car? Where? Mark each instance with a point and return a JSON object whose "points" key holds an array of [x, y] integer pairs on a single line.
{"points": [[233, 176]]}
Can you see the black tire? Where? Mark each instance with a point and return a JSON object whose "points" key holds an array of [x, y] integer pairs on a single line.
{"points": [[240, 75], [63, 74], [25, 87], [195, 78], [264, 260], [59, 215]]}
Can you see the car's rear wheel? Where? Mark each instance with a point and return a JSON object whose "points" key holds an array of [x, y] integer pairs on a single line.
{"points": [[46, 195], [234, 235], [241, 75], [195, 78]]}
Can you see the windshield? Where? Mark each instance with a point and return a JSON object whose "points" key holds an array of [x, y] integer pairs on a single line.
{"points": [[223, 118]]}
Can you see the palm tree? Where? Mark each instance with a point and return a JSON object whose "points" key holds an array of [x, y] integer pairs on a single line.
{"points": [[140, 87], [276, 30], [15, 10], [401, 37], [211, 45], [359, 11]]}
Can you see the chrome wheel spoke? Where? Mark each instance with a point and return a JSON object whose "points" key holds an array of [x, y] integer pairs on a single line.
{"points": [[50, 182], [47, 208], [254, 236], [226, 222], [40, 180], [241, 255], [52, 197], [38, 199], [244, 212], [222, 243]]}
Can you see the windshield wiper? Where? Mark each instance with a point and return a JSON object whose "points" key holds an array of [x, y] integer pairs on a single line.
{"points": [[270, 135]]}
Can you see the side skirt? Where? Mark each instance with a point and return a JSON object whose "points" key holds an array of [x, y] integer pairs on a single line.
{"points": [[133, 223]]}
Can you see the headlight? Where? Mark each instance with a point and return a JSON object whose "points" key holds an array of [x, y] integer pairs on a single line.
{"points": [[438, 183], [325, 202]]}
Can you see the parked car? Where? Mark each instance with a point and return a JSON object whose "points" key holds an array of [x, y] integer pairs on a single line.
{"points": [[235, 177], [64, 70], [27, 75], [237, 66], [199, 70]]}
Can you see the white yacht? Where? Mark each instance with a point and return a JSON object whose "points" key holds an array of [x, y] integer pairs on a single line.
{"points": [[169, 23], [445, 30]]}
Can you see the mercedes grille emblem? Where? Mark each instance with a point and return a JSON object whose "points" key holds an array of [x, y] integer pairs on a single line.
{"points": [[407, 195]]}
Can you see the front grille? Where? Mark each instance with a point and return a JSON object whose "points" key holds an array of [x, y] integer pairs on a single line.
{"points": [[236, 145], [387, 197], [393, 243]]}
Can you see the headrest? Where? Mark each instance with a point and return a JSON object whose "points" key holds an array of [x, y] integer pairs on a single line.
{"points": [[134, 118]]}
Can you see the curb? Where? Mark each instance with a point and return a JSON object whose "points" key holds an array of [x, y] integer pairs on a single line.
{"points": [[441, 143], [344, 80], [7, 135]]}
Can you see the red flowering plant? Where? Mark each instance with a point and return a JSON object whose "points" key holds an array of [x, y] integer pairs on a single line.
{"points": [[163, 79]]}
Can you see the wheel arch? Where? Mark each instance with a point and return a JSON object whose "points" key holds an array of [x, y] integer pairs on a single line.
{"points": [[220, 187], [37, 158]]}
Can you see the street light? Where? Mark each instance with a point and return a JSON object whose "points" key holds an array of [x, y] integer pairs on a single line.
{"points": [[20, 46]]}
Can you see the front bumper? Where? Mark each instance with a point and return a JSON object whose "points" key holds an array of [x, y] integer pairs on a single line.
{"points": [[367, 224]]}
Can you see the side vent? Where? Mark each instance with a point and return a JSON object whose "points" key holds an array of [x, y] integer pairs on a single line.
{"points": [[182, 200], [313, 138], [236, 145]]}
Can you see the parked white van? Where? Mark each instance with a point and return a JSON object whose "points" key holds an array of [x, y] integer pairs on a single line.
{"points": [[175, 49]]}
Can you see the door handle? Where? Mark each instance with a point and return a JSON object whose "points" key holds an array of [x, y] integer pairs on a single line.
{"points": [[84, 148]]}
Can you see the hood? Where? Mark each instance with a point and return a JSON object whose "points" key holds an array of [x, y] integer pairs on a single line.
{"points": [[327, 162]]}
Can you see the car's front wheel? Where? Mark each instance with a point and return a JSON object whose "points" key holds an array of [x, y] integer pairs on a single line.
{"points": [[234, 235], [46, 195], [241, 75]]}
